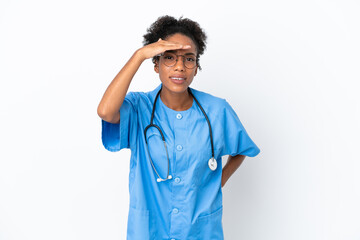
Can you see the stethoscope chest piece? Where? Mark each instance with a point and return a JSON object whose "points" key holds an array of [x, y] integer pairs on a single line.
{"points": [[212, 164]]}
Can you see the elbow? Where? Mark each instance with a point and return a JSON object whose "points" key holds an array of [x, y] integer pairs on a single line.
{"points": [[104, 115], [101, 112]]}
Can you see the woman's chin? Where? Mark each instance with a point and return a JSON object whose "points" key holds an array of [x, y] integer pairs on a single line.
{"points": [[176, 88]]}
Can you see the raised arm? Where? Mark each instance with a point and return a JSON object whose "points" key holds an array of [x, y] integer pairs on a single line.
{"points": [[115, 93]]}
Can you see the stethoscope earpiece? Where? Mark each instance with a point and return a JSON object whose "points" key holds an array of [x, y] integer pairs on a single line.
{"points": [[163, 180]]}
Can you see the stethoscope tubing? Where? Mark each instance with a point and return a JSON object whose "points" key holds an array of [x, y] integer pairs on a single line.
{"points": [[163, 137]]}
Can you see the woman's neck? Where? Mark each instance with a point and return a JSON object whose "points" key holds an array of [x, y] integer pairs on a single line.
{"points": [[176, 101]]}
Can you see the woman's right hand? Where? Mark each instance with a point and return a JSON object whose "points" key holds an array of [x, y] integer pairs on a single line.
{"points": [[159, 47]]}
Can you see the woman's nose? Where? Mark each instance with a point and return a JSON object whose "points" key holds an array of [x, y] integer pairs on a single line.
{"points": [[180, 65]]}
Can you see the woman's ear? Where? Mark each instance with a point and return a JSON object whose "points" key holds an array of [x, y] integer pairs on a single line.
{"points": [[156, 65], [196, 70]]}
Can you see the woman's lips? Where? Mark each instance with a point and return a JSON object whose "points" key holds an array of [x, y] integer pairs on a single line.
{"points": [[177, 79]]}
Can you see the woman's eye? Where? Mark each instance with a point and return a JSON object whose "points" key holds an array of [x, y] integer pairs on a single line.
{"points": [[169, 57], [190, 59]]}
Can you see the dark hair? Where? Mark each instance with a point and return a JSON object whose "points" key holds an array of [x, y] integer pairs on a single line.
{"points": [[166, 26]]}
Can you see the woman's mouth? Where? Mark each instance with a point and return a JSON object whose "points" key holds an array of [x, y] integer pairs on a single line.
{"points": [[178, 80]]}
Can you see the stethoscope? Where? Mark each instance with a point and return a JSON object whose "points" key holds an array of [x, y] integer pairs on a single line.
{"points": [[212, 161]]}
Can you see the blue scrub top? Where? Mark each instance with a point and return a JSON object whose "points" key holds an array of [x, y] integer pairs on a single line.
{"points": [[189, 206]]}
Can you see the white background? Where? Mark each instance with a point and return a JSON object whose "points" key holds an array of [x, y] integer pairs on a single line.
{"points": [[289, 69]]}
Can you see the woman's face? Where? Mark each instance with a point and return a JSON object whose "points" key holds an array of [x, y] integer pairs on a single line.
{"points": [[177, 78]]}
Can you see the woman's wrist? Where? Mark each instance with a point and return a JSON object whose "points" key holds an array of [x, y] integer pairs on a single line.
{"points": [[139, 56]]}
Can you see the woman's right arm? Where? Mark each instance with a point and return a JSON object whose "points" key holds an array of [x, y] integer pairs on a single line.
{"points": [[114, 95]]}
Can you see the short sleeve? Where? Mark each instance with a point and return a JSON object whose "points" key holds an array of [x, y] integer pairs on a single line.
{"points": [[236, 139], [116, 136]]}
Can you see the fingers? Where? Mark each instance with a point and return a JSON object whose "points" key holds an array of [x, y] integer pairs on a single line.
{"points": [[159, 47], [186, 46], [177, 46], [173, 45]]}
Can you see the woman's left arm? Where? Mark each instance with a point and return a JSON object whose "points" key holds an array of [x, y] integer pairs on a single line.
{"points": [[230, 167]]}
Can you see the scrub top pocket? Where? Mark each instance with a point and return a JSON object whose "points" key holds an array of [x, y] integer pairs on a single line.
{"points": [[138, 224], [210, 226]]}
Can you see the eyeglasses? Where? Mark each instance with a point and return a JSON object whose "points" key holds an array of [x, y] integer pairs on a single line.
{"points": [[170, 59]]}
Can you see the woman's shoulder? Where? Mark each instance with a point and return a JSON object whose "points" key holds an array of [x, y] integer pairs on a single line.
{"points": [[209, 100], [136, 96]]}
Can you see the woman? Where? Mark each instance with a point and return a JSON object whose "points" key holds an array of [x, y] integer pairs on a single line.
{"points": [[177, 136]]}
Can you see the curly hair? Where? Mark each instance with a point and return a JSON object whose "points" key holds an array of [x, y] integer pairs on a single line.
{"points": [[166, 26]]}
